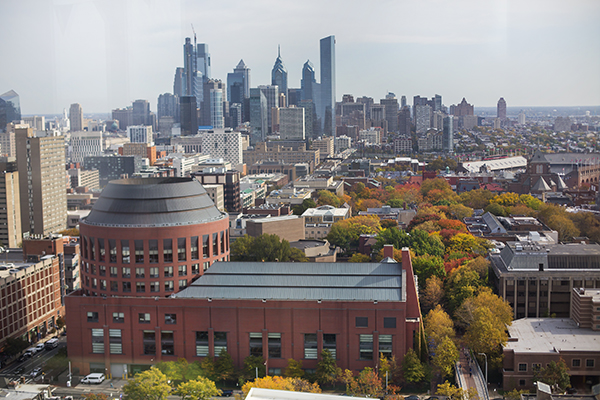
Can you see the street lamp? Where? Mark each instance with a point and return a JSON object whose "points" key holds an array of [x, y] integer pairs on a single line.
{"points": [[486, 376]]}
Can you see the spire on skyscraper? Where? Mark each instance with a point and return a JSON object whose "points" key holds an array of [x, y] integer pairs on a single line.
{"points": [[279, 74]]}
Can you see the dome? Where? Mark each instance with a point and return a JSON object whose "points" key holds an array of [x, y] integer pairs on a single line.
{"points": [[153, 202]]}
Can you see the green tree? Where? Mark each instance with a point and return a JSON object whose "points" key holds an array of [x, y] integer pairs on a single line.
{"points": [[327, 369], [293, 369], [414, 371], [564, 226], [359, 258], [446, 355], [147, 385], [423, 243], [426, 266], [224, 367], [460, 285], [325, 197], [251, 363], [60, 323], [477, 199], [496, 209], [15, 346], [198, 389], [394, 236], [345, 233], [180, 370], [263, 248], [554, 374], [306, 204], [209, 368]]}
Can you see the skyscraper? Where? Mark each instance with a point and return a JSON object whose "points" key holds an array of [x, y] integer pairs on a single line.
{"points": [[179, 82], [10, 108], [168, 106], [189, 116], [259, 116], [391, 111], [189, 69], [501, 108], [448, 134], [203, 61], [76, 117], [10, 205], [42, 193], [241, 76], [308, 81], [291, 123], [327, 105], [402, 101], [279, 74]]}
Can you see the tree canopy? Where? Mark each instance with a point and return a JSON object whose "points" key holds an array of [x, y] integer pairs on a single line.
{"points": [[264, 248], [147, 385], [281, 383]]}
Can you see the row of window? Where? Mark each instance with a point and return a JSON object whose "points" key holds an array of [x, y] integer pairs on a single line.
{"points": [[575, 363], [140, 287], [167, 343], [140, 272], [99, 249]]}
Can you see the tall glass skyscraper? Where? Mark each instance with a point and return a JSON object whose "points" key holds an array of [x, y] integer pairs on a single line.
{"points": [[327, 106], [279, 75], [308, 81], [10, 108]]}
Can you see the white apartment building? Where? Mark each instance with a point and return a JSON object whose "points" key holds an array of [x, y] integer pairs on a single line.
{"points": [[224, 144], [140, 134], [84, 144]]}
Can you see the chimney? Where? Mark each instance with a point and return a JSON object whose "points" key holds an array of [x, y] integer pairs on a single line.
{"points": [[388, 251]]}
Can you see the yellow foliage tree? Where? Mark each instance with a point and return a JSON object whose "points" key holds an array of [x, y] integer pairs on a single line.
{"points": [[438, 325], [281, 383]]}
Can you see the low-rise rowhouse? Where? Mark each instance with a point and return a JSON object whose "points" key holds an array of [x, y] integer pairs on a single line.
{"points": [[274, 310]]}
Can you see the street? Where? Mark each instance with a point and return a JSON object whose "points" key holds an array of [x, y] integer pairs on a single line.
{"points": [[36, 361]]}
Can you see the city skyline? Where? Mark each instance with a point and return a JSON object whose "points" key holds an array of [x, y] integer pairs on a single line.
{"points": [[104, 55]]}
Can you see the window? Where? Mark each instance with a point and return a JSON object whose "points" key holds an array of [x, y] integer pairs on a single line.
{"points": [[153, 272], [149, 341], [362, 322], [274, 345], [366, 347], [115, 341], [215, 243], [256, 348], [195, 269], [169, 286], [329, 344], [536, 366], [139, 251], [167, 250], [202, 344], [140, 272], [144, 318], [182, 270], [140, 287], [576, 362], [118, 317], [168, 272], [126, 287], [205, 246], [112, 250], [182, 283], [167, 343], [589, 363], [98, 341], [310, 346], [170, 318], [113, 272], [94, 283], [385, 345], [152, 251], [181, 249], [92, 249], [274, 371], [126, 272], [521, 382], [114, 286], [205, 265], [522, 367], [92, 316], [222, 242], [102, 284], [220, 342], [101, 250], [389, 322], [93, 269], [102, 270], [194, 247], [154, 286], [125, 251]]}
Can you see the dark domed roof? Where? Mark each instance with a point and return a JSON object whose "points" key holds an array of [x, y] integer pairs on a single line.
{"points": [[153, 202]]}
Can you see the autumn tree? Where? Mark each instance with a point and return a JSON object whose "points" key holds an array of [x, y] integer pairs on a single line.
{"points": [[147, 385], [413, 369], [180, 370], [433, 293], [481, 266], [486, 334], [390, 367], [281, 383], [438, 325], [95, 396], [367, 383], [359, 258], [476, 199], [325, 197], [554, 374], [440, 188], [564, 226], [461, 284], [327, 369], [345, 233], [224, 366], [197, 389], [293, 369], [446, 355], [503, 312], [496, 209], [467, 243], [251, 363], [455, 393]]}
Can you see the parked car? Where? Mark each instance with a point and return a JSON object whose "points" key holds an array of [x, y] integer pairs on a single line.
{"points": [[35, 372], [94, 378], [51, 344], [19, 371], [227, 393], [39, 346], [413, 397], [30, 352]]}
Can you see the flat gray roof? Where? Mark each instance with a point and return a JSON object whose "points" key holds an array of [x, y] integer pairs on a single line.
{"points": [[299, 281], [550, 335]]}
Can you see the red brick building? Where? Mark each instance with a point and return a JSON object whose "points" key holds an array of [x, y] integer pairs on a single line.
{"points": [[274, 310]]}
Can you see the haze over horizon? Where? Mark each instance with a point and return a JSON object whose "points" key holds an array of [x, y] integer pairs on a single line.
{"points": [[105, 54]]}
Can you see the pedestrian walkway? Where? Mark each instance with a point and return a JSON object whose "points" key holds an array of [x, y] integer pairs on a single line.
{"points": [[469, 375]]}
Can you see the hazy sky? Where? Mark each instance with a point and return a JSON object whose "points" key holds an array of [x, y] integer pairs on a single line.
{"points": [[105, 54]]}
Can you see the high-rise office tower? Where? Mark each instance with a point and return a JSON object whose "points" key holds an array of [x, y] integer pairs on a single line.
{"points": [[212, 107], [10, 109], [291, 123], [328, 85], [168, 106], [310, 118], [391, 111], [10, 205], [448, 134], [437, 103], [404, 120], [203, 60], [244, 71], [308, 81], [241, 78], [501, 108], [271, 93], [279, 74], [422, 118], [43, 193], [402, 101], [76, 117], [259, 116], [189, 68], [179, 82], [141, 113], [189, 116]]}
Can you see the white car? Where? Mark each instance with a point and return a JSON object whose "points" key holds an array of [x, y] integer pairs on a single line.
{"points": [[35, 372], [93, 378], [39, 347]]}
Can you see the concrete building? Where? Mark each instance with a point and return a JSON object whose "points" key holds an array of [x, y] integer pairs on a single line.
{"points": [[288, 227], [537, 279], [216, 194], [84, 178], [112, 167], [585, 308], [76, 117], [223, 144], [140, 134], [280, 153], [141, 150], [10, 109], [83, 144], [318, 221], [370, 136], [43, 192], [463, 108], [10, 205], [189, 115], [8, 146], [230, 180], [326, 147], [403, 145], [273, 310], [291, 123], [501, 109], [422, 118], [342, 143]]}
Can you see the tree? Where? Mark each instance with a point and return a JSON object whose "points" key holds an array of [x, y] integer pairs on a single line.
{"points": [[391, 367], [554, 374], [367, 383], [446, 355], [198, 389], [209, 368], [481, 266], [422, 243], [486, 334], [180, 370], [455, 393], [251, 363], [293, 369], [414, 371], [15, 345], [461, 284], [263, 248], [281, 383], [306, 204], [394, 236], [327, 369], [60, 323], [515, 394], [503, 312], [460, 211], [477, 199], [426, 266], [433, 293], [496, 209], [438, 326], [564, 226], [224, 367], [325, 197], [345, 233], [147, 385], [467, 243], [95, 396], [359, 258]]}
